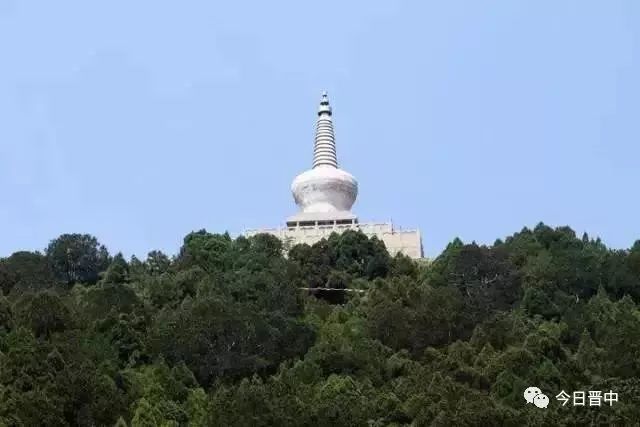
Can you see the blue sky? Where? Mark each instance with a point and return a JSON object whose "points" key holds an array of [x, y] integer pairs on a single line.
{"points": [[140, 121]]}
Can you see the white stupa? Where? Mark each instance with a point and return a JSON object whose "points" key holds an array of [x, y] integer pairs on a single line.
{"points": [[325, 194]]}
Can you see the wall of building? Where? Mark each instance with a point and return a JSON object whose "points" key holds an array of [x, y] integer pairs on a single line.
{"points": [[408, 242]]}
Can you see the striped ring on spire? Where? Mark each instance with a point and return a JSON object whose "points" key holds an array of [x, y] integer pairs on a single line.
{"points": [[324, 150]]}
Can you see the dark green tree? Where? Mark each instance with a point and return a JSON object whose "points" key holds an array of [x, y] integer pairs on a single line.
{"points": [[25, 271], [77, 258], [118, 270], [44, 312]]}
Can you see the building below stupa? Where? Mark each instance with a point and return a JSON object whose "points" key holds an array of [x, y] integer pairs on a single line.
{"points": [[325, 194]]}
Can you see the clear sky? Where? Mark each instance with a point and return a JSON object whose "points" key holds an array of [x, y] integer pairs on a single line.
{"points": [[140, 121]]}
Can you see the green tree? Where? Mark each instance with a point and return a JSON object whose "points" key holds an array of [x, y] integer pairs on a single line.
{"points": [[6, 315], [197, 407], [146, 415], [44, 313], [77, 258], [118, 270], [25, 271], [208, 251], [341, 401], [157, 263]]}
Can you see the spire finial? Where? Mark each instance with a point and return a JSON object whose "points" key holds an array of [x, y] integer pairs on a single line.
{"points": [[324, 104], [324, 151]]}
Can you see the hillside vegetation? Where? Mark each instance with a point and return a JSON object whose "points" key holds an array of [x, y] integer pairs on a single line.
{"points": [[224, 333]]}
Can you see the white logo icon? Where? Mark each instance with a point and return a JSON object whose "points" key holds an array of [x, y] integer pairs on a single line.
{"points": [[541, 401], [534, 395], [530, 393]]}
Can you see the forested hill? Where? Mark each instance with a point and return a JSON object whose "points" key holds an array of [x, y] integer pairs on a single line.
{"points": [[224, 334]]}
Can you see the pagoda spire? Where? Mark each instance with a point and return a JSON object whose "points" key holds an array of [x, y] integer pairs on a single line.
{"points": [[324, 149]]}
